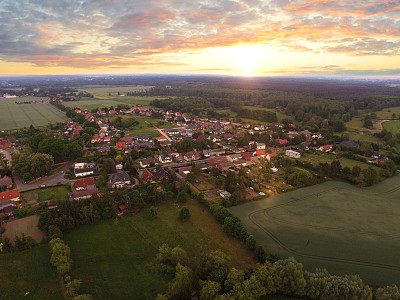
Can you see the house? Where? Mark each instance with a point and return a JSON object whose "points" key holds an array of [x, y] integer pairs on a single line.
{"points": [[226, 166], [216, 161], [183, 171], [325, 148], [84, 194], [103, 149], [271, 155], [95, 139], [234, 157], [84, 171], [12, 195], [245, 155], [120, 146], [162, 173], [161, 138], [260, 146], [83, 184], [374, 155], [147, 176], [5, 144], [202, 138], [147, 162], [260, 153], [214, 138], [165, 157], [126, 140], [6, 182], [191, 156], [7, 207], [107, 139], [292, 154], [283, 142], [119, 180]]}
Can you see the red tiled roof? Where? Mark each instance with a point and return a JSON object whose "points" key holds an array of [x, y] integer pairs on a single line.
{"points": [[84, 183], [120, 145], [283, 142], [246, 155], [260, 152], [5, 144], [9, 194]]}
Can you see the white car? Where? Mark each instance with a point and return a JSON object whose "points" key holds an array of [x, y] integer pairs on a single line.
{"points": [[42, 185]]}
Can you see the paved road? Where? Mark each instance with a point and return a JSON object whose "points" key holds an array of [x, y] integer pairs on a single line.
{"points": [[50, 180]]}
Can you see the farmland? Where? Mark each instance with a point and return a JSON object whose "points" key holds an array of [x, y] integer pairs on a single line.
{"points": [[29, 271], [14, 116], [27, 226], [326, 226], [113, 257]]}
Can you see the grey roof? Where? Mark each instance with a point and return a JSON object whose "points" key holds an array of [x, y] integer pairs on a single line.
{"points": [[120, 176]]}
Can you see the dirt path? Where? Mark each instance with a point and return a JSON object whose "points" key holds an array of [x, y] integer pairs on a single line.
{"points": [[379, 126]]}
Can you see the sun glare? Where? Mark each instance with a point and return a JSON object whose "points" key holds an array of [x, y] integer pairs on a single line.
{"points": [[248, 57]]}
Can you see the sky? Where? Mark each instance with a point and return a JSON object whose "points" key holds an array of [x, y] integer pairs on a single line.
{"points": [[253, 37]]}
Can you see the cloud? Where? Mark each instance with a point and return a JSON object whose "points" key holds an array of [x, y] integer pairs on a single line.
{"points": [[111, 33]]}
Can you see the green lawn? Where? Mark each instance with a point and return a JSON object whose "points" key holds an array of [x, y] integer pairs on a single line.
{"points": [[45, 194], [392, 126], [354, 124], [28, 271], [13, 116], [113, 257], [321, 157], [388, 112], [333, 225], [358, 137]]}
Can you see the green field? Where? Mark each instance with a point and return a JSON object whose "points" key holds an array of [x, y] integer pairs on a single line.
{"points": [[388, 112], [333, 225], [113, 257], [29, 271], [45, 194], [103, 91], [101, 102], [392, 126], [14, 116], [321, 157]]}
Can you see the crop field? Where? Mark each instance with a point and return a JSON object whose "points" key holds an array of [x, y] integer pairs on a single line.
{"points": [[114, 257], [29, 271], [14, 116], [392, 126], [333, 225], [104, 91], [102, 102]]}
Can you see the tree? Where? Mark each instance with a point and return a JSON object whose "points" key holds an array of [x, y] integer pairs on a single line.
{"points": [[234, 277], [109, 165], [182, 283], [355, 171], [74, 150], [267, 274], [388, 293], [209, 289], [54, 147], [41, 164], [184, 214], [27, 177], [230, 182], [182, 197], [20, 164], [370, 176], [83, 297], [190, 177], [213, 261], [292, 275]]}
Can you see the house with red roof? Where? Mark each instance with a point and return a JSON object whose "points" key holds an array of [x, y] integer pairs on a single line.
{"points": [[283, 142], [95, 139], [112, 112], [84, 184], [6, 181], [107, 139], [120, 146], [161, 138], [271, 155], [245, 155], [12, 195], [147, 176], [5, 144], [126, 140], [260, 153]]}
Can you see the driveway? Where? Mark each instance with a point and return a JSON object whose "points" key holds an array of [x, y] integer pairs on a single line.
{"points": [[49, 180]]}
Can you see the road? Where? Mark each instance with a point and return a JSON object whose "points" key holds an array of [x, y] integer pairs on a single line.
{"points": [[164, 134], [50, 180]]}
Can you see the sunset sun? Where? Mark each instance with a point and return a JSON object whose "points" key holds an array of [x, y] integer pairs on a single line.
{"points": [[248, 57]]}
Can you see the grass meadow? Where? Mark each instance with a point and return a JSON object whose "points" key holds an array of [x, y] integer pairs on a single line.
{"points": [[29, 271], [113, 258], [46, 194], [392, 126], [14, 116], [333, 225]]}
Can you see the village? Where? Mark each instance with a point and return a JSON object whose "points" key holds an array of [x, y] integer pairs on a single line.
{"points": [[212, 148]]}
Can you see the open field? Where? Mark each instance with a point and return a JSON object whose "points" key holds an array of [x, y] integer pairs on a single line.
{"points": [[45, 194], [27, 225], [112, 257], [234, 115], [29, 271], [13, 116], [322, 157], [392, 126], [101, 102], [103, 91], [388, 112], [333, 225], [280, 116]]}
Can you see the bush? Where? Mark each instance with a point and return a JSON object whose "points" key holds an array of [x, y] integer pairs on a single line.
{"points": [[184, 214]]}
